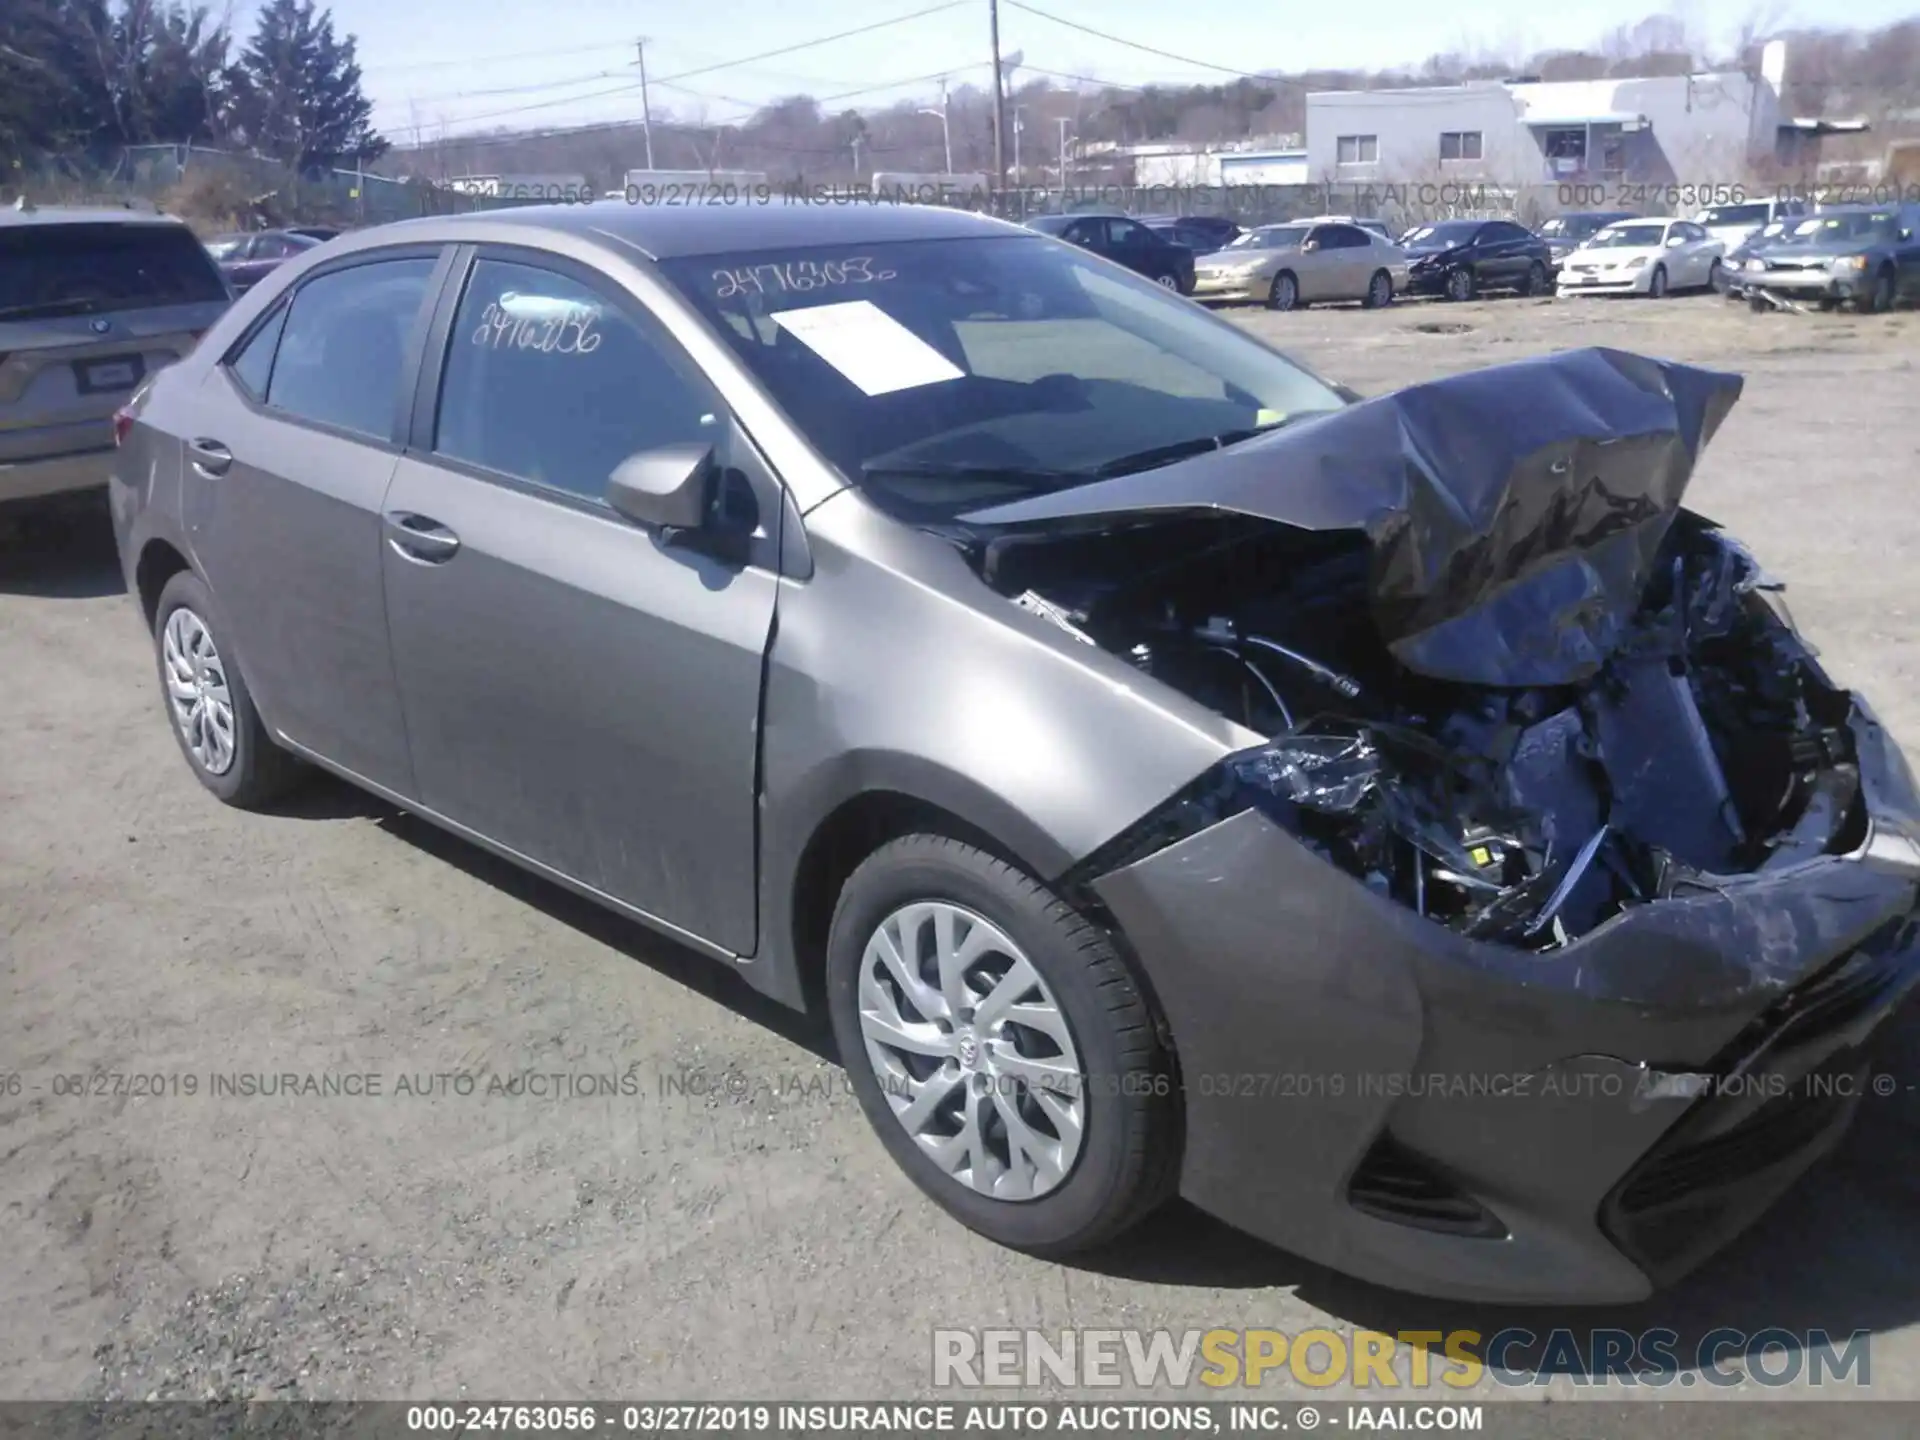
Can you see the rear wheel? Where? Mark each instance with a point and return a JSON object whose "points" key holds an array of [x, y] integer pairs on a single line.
{"points": [[1379, 291], [1000, 1047], [1285, 294], [214, 722]]}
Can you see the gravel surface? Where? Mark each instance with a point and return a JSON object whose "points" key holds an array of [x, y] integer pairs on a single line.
{"points": [[695, 1207]]}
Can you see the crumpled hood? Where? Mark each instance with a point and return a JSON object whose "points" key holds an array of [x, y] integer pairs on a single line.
{"points": [[1514, 513]]}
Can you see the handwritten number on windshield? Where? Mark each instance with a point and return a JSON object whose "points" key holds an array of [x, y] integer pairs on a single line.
{"points": [[799, 277]]}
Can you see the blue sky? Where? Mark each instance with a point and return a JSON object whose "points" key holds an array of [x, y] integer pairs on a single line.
{"points": [[457, 65]]}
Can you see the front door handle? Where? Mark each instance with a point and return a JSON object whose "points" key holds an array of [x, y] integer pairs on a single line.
{"points": [[210, 457], [417, 538]]}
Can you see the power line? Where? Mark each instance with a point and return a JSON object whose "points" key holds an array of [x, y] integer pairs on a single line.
{"points": [[810, 44], [488, 59], [1149, 49]]}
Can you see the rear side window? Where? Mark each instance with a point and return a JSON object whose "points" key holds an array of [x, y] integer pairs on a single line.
{"points": [[254, 364], [84, 269], [547, 380], [343, 345]]}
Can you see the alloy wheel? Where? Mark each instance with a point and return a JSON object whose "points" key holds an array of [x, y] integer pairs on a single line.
{"points": [[1166, 282], [1657, 286], [1460, 285], [197, 691], [972, 1051], [1379, 290], [1286, 293]]}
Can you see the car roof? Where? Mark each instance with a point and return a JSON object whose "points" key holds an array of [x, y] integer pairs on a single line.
{"points": [[84, 215], [665, 232]]}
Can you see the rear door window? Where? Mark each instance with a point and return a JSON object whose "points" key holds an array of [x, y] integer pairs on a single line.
{"points": [[342, 351], [84, 269]]}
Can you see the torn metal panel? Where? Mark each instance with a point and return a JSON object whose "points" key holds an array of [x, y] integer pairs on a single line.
{"points": [[1513, 514]]}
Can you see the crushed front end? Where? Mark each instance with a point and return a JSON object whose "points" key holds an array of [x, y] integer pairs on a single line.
{"points": [[1539, 946]]}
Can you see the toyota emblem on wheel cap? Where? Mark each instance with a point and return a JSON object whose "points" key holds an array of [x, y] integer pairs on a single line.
{"points": [[100, 327]]}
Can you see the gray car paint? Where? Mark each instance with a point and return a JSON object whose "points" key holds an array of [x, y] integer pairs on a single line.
{"points": [[390, 673]]}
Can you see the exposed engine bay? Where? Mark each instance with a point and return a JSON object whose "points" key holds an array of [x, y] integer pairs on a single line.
{"points": [[1708, 744]]}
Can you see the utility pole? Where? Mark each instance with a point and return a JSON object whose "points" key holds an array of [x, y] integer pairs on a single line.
{"points": [[646, 108], [946, 124], [856, 159], [1017, 128], [999, 101], [1062, 121]]}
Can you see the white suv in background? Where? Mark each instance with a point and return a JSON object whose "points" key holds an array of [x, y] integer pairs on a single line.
{"points": [[1734, 225]]}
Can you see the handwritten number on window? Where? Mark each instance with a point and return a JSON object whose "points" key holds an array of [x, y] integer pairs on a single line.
{"points": [[799, 277], [569, 332]]}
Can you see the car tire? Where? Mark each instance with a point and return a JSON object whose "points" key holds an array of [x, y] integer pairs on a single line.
{"points": [[1168, 282], [1657, 283], [1716, 277], [1122, 1164], [231, 754], [1460, 284], [1285, 292], [1880, 301], [1536, 280], [1379, 291]]}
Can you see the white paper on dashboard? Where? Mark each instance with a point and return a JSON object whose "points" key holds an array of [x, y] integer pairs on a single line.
{"points": [[868, 346]]}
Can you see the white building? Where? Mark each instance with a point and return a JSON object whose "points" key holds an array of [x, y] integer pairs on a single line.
{"points": [[1697, 131]]}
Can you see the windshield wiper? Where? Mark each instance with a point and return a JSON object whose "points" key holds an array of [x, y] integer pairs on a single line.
{"points": [[1181, 450], [52, 307]]}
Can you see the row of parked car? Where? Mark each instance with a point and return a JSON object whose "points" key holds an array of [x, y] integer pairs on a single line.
{"points": [[1860, 255]]}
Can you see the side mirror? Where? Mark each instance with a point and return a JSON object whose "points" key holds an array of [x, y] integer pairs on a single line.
{"points": [[1675, 241], [670, 487]]}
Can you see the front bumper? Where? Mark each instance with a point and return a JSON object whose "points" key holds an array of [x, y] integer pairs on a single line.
{"points": [[1369, 1089], [1602, 282], [1805, 284], [1230, 289]]}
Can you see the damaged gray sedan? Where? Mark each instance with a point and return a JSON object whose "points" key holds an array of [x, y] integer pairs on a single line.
{"points": [[1397, 825]]}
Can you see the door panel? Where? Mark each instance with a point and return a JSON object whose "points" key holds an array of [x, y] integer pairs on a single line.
{"points": [[583, 695], [288, 533], [579, 688]]}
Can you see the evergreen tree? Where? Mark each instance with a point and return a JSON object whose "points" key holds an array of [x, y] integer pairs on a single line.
{"points": [[297, 91]]}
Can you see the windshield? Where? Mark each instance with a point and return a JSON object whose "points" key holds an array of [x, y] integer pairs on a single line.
{"points": [[1733, 215], [944, 375], [1273, 237], [1629, 237], [1447, 232], [1856, 225], [87, 268], [1572, 227]]}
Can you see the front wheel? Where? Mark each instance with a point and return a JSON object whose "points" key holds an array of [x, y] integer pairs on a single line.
{"points": [[1536, 281], [219, 732], [1168, 282], [1285, 294], [1657, 283], [1717, 278], [1460, 284], [1000, 1047], [1881, 300]]}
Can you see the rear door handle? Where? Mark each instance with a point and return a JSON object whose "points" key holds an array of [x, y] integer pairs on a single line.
{"points": [[422, 540], [210, 457]]}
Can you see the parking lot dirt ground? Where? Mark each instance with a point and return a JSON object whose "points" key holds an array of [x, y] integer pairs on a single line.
{"points": [[723, 1225]]}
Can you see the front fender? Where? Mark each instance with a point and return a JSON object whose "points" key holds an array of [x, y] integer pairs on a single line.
{"points": [[896, 670]]}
